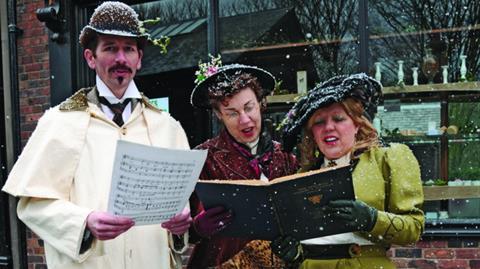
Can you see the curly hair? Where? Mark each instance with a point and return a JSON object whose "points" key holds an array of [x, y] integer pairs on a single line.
{"points": [[365, 139], [221, 92]]}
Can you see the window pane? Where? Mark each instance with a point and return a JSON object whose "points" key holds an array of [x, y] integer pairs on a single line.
{"points": [[427, 35], [172, 74], [298, 41], [184, 23], [416, 125], [464, 148]]}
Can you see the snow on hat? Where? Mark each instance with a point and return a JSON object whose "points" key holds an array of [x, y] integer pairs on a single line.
{"points": [[358, 86], [223, 77], [113, 18]]}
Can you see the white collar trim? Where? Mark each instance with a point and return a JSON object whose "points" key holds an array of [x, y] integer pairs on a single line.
{"points": [[104, 91]]}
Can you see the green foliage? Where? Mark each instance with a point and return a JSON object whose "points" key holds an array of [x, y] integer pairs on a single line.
{"points": [[435, 182], [161, 42], [393, 132], [410, 29], [277, 90], [463, 161], [465, 173]]}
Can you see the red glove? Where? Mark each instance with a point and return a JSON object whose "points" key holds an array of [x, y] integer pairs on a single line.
{"points": [[211, 221]]}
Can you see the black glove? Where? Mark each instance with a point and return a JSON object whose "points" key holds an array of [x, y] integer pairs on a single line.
{"points": [[353, 214], [287, 248]]}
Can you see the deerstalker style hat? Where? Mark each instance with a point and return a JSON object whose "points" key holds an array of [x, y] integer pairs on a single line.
{"points": [[113, 18], [358, 86], [221, 80]]}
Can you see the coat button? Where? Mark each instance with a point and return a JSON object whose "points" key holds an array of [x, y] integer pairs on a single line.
{"points": [[123, 130]]}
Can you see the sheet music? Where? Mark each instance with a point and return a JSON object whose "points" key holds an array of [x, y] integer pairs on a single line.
{"points": [[151, 184]]}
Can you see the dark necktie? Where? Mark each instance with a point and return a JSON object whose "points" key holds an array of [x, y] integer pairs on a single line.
{"points": [[117, 109]]}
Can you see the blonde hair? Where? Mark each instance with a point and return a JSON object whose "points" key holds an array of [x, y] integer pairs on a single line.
{"points": [[365, 139]]}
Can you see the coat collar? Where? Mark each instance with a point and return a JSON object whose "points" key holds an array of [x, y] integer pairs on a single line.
{"points": [[79, 100]]}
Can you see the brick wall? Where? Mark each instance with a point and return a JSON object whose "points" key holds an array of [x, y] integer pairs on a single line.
{"points": [[33, 66], [34, 91], [439, 254]]}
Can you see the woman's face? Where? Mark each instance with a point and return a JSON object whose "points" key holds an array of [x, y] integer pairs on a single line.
{"points": [[333, 130], [241, 116]]}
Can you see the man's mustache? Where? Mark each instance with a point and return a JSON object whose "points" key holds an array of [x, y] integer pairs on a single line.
{"points": [[119, 67]]}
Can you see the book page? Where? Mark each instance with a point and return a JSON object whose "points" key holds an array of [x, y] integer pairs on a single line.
{"points": [[256, 182], [151, 184]]}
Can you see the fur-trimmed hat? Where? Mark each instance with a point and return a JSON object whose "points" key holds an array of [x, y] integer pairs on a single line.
{"points": [[113, 18], [221, 80], [358, 86]]}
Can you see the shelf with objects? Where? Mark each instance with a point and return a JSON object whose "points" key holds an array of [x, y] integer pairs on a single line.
{"points": [[440, 124], [430, 69]]}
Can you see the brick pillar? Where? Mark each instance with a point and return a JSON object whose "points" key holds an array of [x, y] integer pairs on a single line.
{"points": [[34, 91], [33, 66]]}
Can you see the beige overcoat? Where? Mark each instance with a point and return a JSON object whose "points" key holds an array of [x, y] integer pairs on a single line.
{"points": [[64, 173]]}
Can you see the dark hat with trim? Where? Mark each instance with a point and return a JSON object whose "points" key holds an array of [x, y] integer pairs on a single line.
{"points": [[113, 18], [358, 86], [221, 80]]}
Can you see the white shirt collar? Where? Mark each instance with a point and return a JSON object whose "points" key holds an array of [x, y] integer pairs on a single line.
{"points": [[253, 146], [103, 90], [344, 160]]}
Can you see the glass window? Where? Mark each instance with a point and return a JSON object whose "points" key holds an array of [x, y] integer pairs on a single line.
{"points": [[184, 23], [417, 126], [425, 53], [424, 41], [446, 148], [170, 73], [464, 143], [300, 42]]}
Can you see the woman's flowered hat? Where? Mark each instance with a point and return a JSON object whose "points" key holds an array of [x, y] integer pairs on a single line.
{"points": [[215, 78], [358, 86], [113, 18]]}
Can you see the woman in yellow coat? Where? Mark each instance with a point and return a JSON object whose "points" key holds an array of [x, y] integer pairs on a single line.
{"points": [[333, 122]]}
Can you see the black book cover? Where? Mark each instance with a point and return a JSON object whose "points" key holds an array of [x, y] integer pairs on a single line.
{"points": [[288, 205]]}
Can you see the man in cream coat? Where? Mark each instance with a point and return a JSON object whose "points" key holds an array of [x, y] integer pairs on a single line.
{"points": [[63, 174]]}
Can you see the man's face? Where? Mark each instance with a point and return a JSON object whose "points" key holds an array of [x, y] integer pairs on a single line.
{"points": [[116, 61]]}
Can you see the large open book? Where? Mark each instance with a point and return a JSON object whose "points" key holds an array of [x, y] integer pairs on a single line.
{"points": [[288, 205]]}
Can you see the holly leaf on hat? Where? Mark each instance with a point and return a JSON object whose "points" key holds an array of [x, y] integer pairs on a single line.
{"points": [[161, 42]]}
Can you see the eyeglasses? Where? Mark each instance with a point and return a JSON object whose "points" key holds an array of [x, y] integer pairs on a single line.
{"points": [[250, 109]]}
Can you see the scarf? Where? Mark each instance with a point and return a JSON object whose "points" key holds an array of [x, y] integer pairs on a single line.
{"points": [[260, 161]]}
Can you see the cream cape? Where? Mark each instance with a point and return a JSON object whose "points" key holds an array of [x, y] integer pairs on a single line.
{"points": [[64, 173]]}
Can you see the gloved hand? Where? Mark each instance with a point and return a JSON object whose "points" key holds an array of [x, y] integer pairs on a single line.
{"points": [[354, 214], [211, 221], [287, 248]]}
